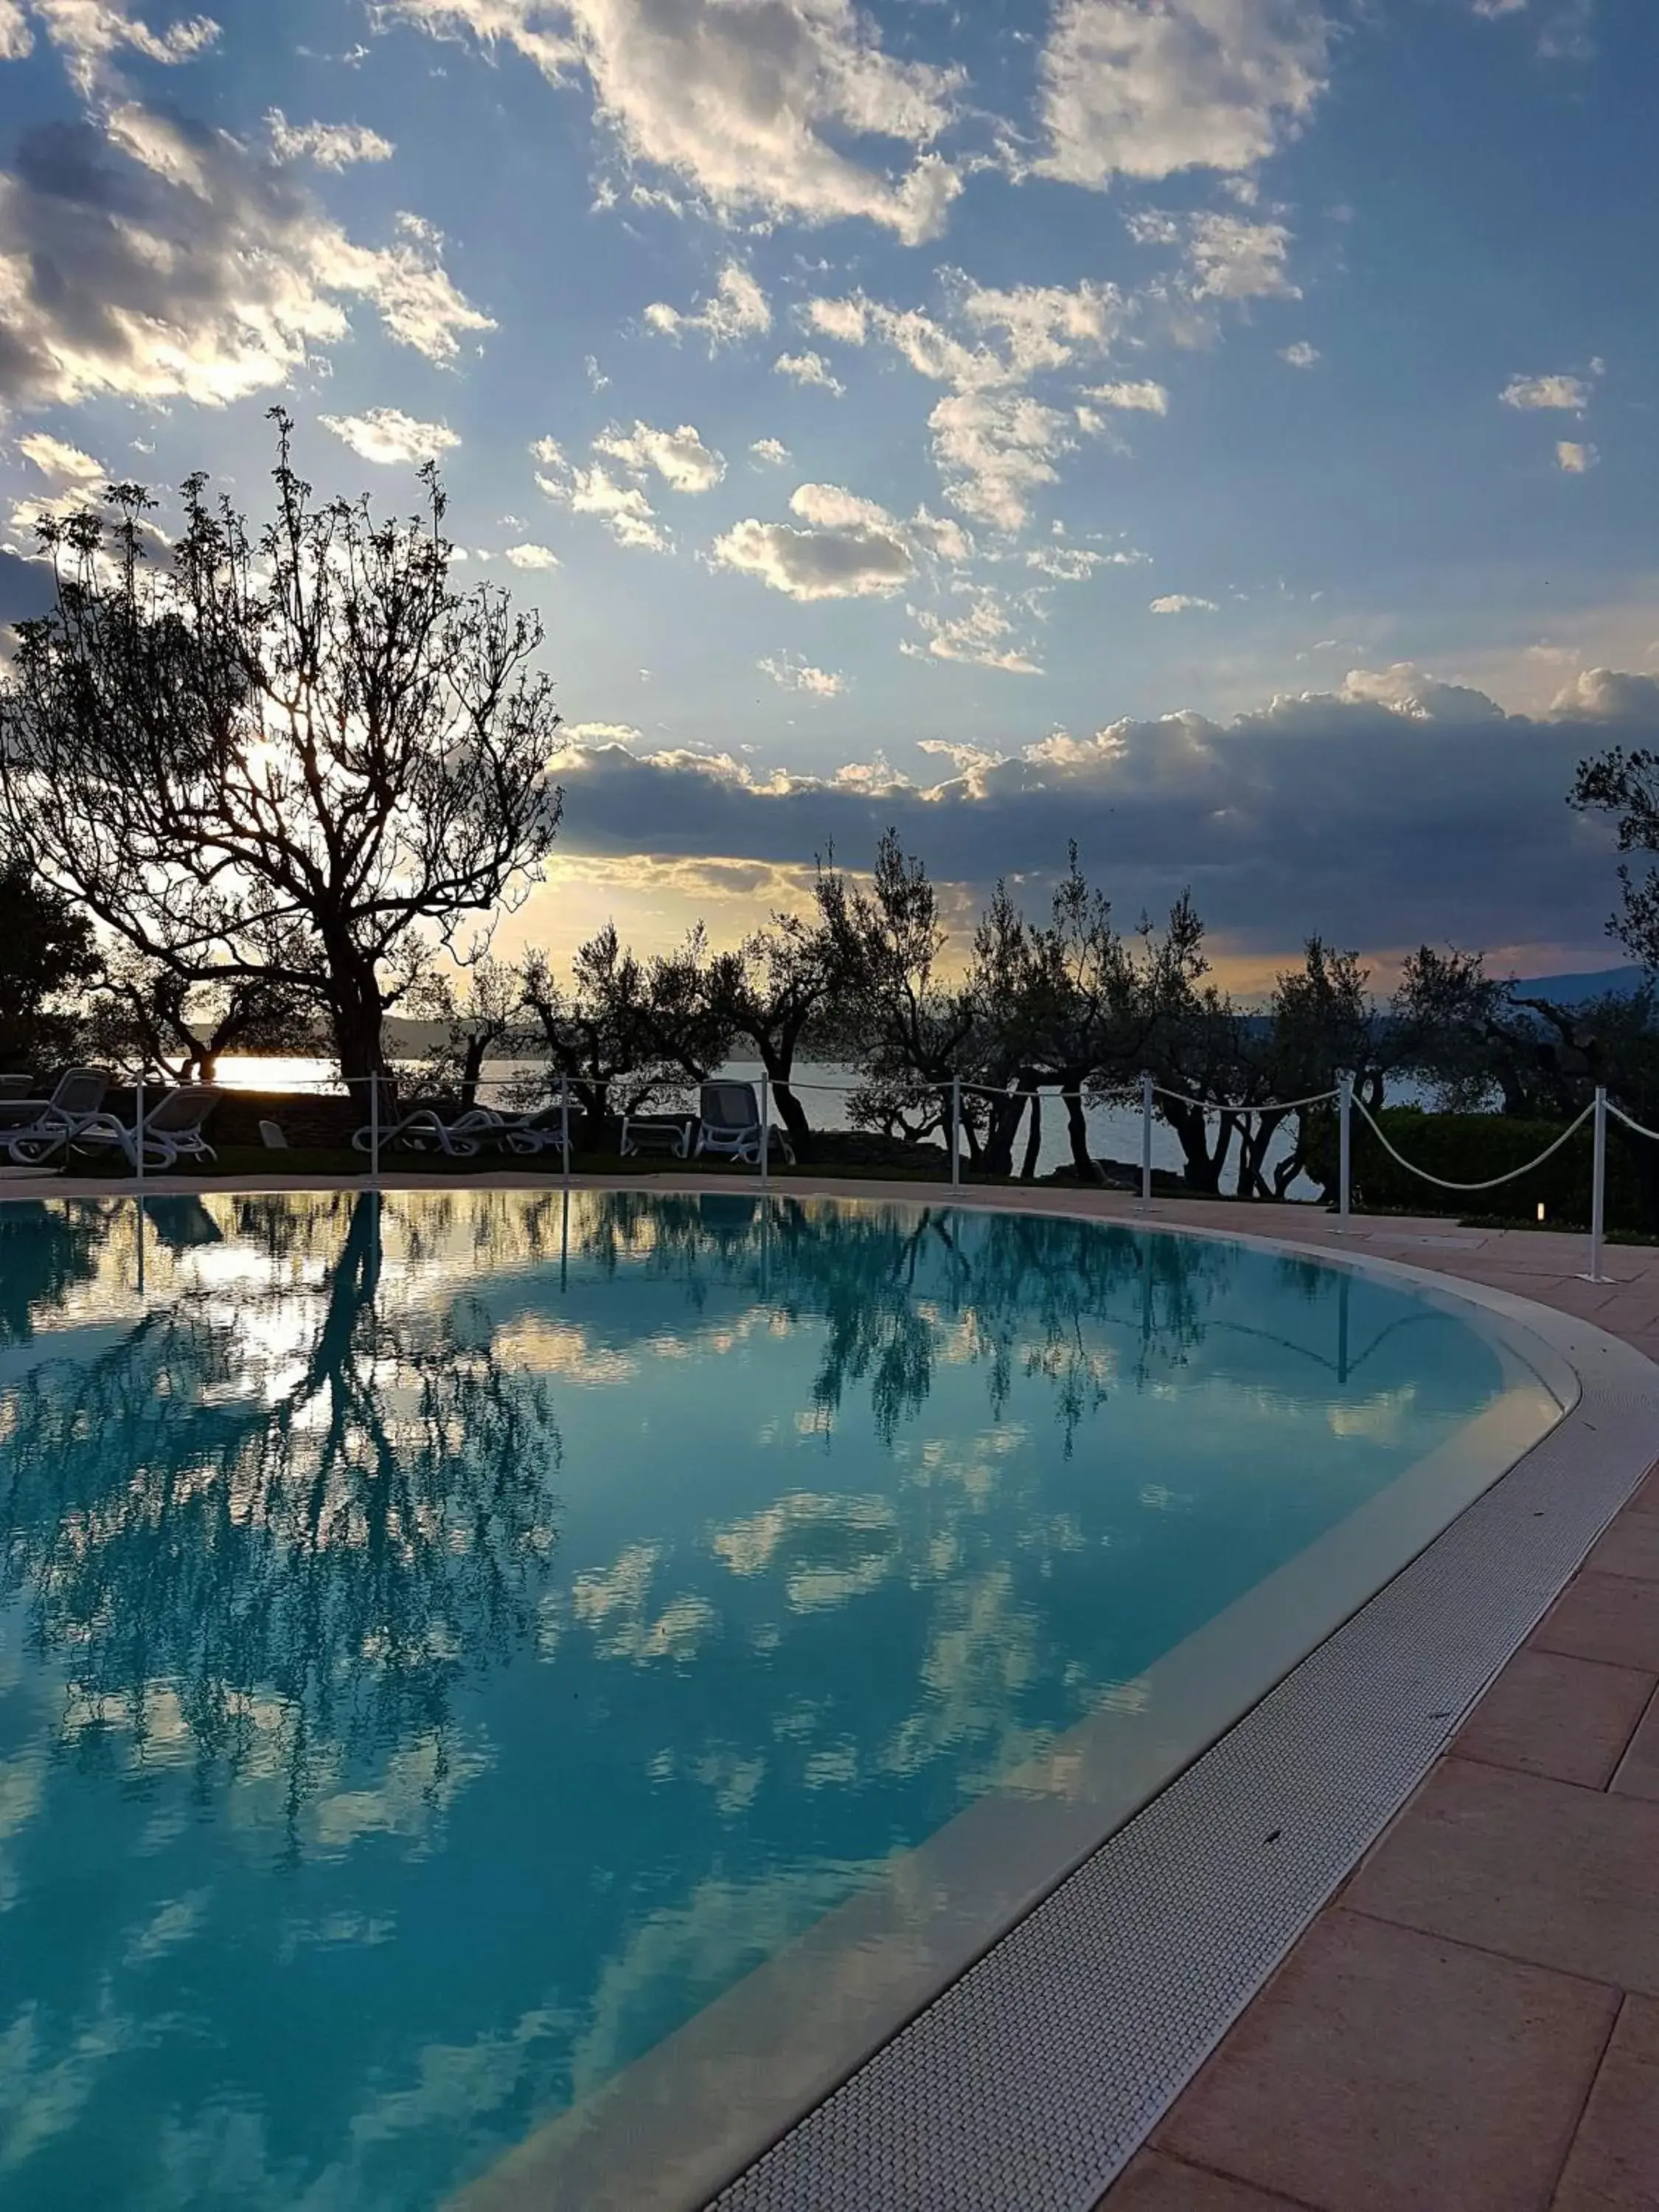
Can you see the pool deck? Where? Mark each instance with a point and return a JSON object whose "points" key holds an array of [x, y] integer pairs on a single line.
{"points": [[1471, 2024]]}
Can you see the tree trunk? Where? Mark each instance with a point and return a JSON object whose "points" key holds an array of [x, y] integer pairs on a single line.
{"points": [[1033, 1140], [792, 1114], [354, 1005], [1202, 1169], [1005, 1112], [1077, 1127]]}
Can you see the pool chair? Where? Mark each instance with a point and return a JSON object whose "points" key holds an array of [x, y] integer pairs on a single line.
{"points": [[731, 1124], [541, 1130], [673, 1133], [32, 1129], [174, 1129], [433, 1128]]}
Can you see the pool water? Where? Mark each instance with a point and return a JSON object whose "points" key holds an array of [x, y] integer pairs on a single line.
{"points": [[446, 1640]]}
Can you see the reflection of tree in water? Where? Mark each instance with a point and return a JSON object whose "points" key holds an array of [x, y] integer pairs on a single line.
{"points": [[1021, 1291], [309, 1498], [45, 1251]]}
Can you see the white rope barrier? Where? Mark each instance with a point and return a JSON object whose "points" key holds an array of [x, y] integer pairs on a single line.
{"points": [[1630, 1122], [1491, 1182], [1269, 1106]]}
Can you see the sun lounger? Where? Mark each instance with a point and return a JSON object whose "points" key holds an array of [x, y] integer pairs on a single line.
{"points": [[731, 1124], [33, 1129], [174, 1129]]}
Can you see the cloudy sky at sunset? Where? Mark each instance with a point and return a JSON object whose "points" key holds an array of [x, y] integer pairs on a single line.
{"points": [[1224, 432]]}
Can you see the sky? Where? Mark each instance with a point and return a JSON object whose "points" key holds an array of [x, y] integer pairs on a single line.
{"points": [[1220, 432]]}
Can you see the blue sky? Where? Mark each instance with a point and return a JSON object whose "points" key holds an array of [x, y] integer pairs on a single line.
{"points": [[1222, 430]]}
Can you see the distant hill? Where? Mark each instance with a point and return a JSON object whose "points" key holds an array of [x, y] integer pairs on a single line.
{"points": [[1574, 990]]}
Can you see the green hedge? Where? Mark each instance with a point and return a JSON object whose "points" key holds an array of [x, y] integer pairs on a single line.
{"points": [[1468, 1147]]}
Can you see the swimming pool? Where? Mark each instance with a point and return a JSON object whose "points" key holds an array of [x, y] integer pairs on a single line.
{"points": [[450, 1641]]}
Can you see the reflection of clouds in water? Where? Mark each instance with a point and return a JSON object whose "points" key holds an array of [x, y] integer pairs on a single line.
{"points": [[1383, 1419], [419, 1784], [42, 2096], [166, 1929], [828, 1549], [552, 1347], [224, 2157], [617, 1604], [722, 1928], [20, 1801], [982, 1653]]}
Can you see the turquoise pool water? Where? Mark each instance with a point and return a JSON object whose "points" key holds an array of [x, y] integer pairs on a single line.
{"points": [[445, 1641]]}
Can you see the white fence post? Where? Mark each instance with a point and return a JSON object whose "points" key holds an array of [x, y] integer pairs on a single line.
{"points": [[138, 1129], [564, 1128], [1599, 1188], [765, 1125], [1345, 1163], [374, 1128], [955, 1132], [1146, 1087]]}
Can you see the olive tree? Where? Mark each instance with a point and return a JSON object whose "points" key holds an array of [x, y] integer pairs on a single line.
{"points": [[293, 752]]}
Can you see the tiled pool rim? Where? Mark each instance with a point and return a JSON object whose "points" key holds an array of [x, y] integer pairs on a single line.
{"points": [[1031, 2080], [1045, 2059]]}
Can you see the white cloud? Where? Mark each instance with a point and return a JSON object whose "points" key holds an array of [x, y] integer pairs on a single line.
{"points": [[754, 106], [738, 308], [800, 675], [16, 39], [995, 449], [147, 256], [531, 556], [89, 32], [78, 479], [1570, 393], [329, 145], [849, 547], [1299, 356], [1577, 459], [1045, 326], [1491, 9], [809, 368], [62, 463], [1148, 87], [600, 733], [1227, 257], [1607, 695], [1181, 603], [597, 379], [770, 452], [388, 436], [980, 635], [1150, 398], [846, 319], [1066, 564], [623, 508], [679, 457], [995, 443]]}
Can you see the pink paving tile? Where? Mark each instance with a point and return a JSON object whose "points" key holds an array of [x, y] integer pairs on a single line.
{"points": [[1637, 1772], [1630, 1548], [1537, 1869], [1156, 2183], [1615, 2163], [1385, 2071], [1550, 1714], [1612, 1618], [1646, 1500]]}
